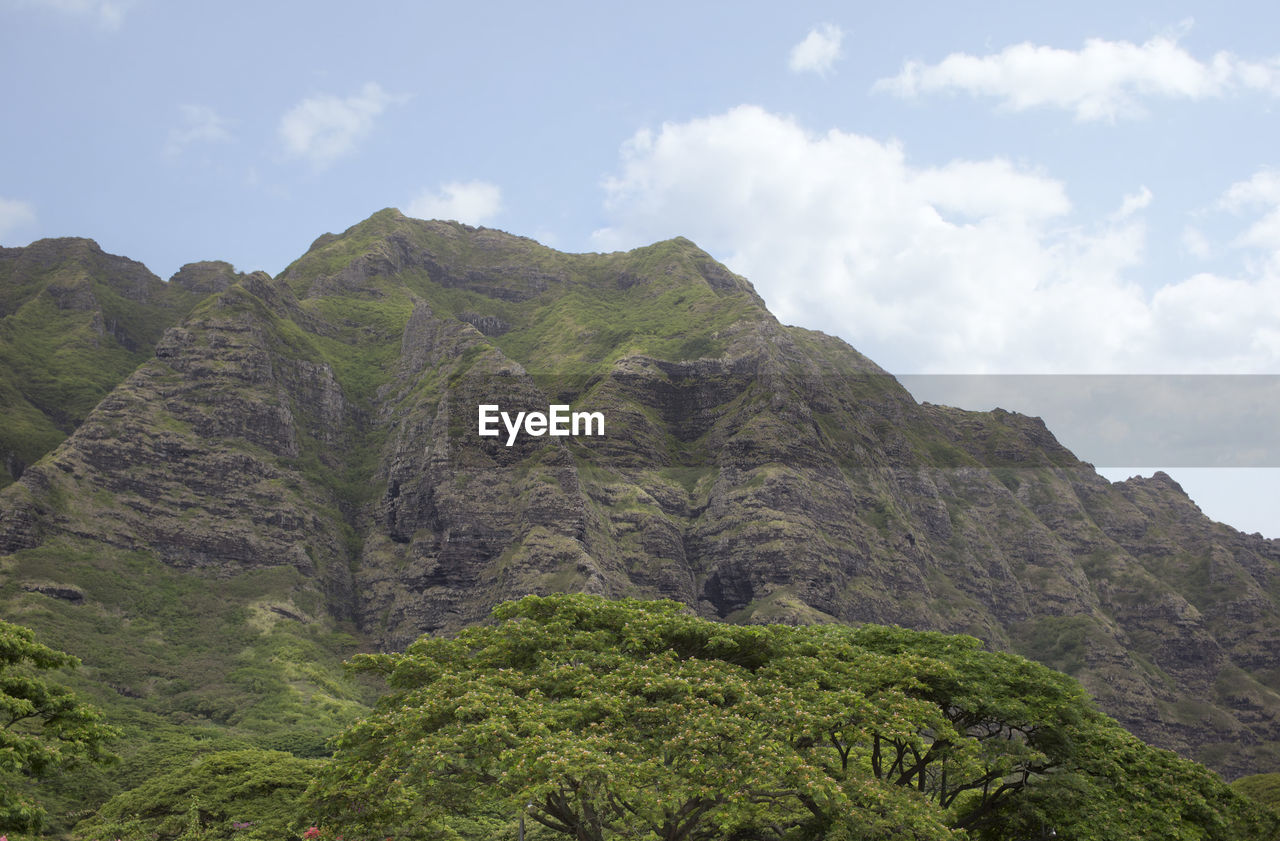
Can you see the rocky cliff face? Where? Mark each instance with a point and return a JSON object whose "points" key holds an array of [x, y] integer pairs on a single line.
{"points": [[74, 322], [315, 434]]}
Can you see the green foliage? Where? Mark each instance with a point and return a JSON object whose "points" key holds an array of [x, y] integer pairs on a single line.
{"points": [[622, 719], [44, 728], [1120, 788], [628, 719], [1004, 723], [245, 794], [1260, 788]]}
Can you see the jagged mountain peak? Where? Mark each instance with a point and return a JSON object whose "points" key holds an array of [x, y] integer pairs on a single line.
{"points": [[71, 267], [207, 277], [499, 264]]}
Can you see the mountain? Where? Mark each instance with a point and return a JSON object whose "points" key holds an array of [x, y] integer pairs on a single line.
{"points": [[295, 473], [74, 322]]}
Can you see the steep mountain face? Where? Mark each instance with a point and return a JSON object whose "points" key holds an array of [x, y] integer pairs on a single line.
{"points": [[74, 322], [307, 447]]}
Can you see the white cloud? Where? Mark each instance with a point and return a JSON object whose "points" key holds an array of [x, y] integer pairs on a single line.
{"points": [[1262, 237], [472, 202], [818, 52], [1262, 188], [200, 124], [108, 13], [975, 266], [14, 215], [1101, 81], [322, 129], [1133, 203]]}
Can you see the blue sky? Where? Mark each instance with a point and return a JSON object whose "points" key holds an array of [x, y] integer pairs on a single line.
{"points": [[998, 188]]}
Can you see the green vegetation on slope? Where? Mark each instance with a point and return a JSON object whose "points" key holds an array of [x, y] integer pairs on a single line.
{"points": [[561, 315], [194, 663], [74, 322], [1261, 788]]}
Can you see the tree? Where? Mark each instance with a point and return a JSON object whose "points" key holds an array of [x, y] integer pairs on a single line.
{"points": [[1008, 724], [249, 795], [624, 719], [606, 719], [44, 727], [1117, 787]]}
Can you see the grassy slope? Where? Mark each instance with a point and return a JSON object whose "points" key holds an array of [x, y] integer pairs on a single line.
{"points": [[1261, 788], [582, 322]]}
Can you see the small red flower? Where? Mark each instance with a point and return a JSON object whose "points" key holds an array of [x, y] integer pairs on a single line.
{"points": [[313, 832]]}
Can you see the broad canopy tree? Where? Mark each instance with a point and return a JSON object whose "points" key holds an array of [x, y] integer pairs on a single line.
{"points": [[606, 719]]}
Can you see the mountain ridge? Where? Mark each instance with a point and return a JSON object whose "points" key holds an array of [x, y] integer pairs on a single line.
{"points": [[308, 442], [73, 322]]}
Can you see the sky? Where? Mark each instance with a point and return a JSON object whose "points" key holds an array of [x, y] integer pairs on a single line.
{"points": [[1068, 210]]}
